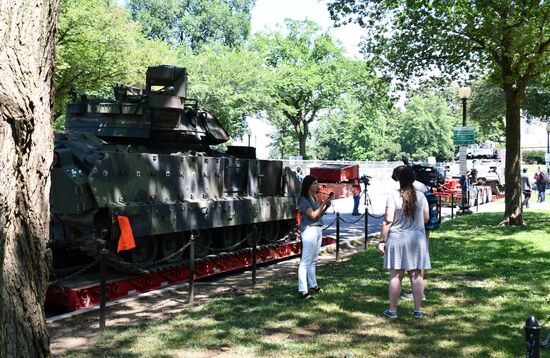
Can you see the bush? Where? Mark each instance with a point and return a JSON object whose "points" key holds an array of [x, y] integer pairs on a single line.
{"points": [[533, 156]]}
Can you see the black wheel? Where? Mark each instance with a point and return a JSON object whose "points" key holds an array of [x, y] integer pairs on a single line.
{"points": [[146, 250], [271, 230], [171, 244], [203, 243], [231, 235], [248, 231]]}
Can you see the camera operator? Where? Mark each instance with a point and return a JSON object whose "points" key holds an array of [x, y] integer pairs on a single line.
{"points": [[356, 188]]}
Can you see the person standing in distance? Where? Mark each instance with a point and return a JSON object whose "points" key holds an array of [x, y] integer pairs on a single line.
{"points": [[356, 189], [525, 188], [403, 241], [541, 178], [311, 229]]}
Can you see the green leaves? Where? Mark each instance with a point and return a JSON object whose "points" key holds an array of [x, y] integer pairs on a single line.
{"points": [[231, 83], [99, 45], [310, 75], [194, 23]]}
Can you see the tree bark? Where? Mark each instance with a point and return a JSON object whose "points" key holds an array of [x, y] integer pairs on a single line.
{"points": [[27, 40], [513, 212], [302, 139]]}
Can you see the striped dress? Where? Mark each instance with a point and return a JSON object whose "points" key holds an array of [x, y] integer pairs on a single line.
{"points": [[406, 245]]}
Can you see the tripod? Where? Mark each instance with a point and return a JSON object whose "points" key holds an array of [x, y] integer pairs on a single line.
{"points": [[366, 198]]}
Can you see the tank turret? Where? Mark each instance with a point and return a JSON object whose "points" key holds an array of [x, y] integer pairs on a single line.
{"points": [[160, 115]]}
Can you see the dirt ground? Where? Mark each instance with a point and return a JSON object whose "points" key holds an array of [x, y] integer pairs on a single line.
{"points": [[81, 328]]}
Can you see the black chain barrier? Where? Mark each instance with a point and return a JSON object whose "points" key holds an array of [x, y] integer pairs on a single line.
{"points": [[329, 225], [352, 222], [234, 246], [287, 237], [77, 273]]}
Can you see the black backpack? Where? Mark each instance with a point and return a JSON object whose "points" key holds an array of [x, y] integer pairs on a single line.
{"points": [[542, 178]]}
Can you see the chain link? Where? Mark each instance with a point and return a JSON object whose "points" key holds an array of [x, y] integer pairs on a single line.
{"points": [[211, 249], [75, 274], [164, 259], [352, 222], [288, 235], [329, 225]]}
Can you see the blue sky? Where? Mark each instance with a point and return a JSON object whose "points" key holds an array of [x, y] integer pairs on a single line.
{"points": [[268, 13]]}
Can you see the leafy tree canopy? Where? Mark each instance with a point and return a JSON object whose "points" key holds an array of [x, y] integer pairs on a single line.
{"points": [[231, 83], [362, 125], [507, 40], [98, 45], [309, 74], [194, 22], [425, 128]]}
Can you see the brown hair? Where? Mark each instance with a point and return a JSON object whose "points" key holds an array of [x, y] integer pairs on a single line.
{"points": [[306, 184], [406, 179]]}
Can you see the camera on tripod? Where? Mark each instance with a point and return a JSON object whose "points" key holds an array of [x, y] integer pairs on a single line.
{"points": [[365, 179], [426, 174]]}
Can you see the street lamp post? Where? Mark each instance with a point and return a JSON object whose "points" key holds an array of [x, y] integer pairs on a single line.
{"points": [[464, 93], [249, 133]]}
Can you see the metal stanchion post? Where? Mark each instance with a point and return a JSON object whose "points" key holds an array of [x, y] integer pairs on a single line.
{"points": [[366, 227], [452, 206], [337, 236], [439, 208], [532, 341], [102, 283], [191, 269], [255, 242]]}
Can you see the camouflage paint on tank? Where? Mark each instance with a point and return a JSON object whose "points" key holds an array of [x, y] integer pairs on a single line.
{"points": [[147, 155]]}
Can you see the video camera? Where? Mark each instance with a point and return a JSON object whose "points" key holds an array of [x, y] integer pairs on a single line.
{"points": [[365, 179], [426, 174]]}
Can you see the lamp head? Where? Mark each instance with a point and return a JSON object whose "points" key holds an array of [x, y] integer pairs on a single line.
{"points": [[464, 92], [249, 131], [548, 127]]}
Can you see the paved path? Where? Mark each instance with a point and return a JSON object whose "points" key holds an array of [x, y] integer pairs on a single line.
{"points": [[82, 329]]}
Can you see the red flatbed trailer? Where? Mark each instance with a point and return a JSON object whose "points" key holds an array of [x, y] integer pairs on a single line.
{"points": [[83, 291]]}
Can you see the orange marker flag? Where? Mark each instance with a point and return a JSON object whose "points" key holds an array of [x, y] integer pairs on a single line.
{"points": [[126, 240]]}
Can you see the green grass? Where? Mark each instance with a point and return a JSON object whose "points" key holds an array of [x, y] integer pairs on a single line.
{"points": [[486, 280]]}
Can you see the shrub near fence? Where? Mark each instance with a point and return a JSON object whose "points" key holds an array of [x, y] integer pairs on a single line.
{"points": [[533, 156]]}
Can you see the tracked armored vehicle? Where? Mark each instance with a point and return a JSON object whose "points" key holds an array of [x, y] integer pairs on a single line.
{"points": [[148, 155]]}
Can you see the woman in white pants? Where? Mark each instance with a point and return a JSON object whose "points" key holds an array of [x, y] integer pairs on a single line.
{"points": [[311, 227]]}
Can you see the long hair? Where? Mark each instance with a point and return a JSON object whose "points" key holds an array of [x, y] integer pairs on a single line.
{"points": [[406, 179], [306, 184]]}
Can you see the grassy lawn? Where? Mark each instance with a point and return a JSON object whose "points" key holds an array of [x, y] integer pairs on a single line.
{"points": [[486, 281]]}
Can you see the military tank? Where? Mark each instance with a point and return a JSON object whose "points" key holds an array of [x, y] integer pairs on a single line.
{"points": [[148, 155]]}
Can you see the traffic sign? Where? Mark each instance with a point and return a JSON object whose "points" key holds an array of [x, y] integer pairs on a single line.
{"points": [[464, 135]]}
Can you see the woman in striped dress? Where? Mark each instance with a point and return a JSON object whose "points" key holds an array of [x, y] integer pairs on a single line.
{"points": [[403, 241]]}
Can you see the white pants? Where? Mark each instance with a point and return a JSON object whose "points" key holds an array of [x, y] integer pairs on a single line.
{"points": [[311, 245]]}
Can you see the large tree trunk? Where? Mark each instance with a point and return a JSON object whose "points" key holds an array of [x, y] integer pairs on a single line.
{"points": [[27, 39], [513, 212]]}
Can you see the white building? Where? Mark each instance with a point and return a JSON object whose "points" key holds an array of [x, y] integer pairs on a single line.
{"points": [[533, 136]]}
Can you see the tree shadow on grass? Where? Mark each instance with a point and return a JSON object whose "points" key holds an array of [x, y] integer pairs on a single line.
{"points": [[486, 281]]}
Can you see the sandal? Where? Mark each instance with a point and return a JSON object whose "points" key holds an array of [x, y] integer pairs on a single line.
{"points": [[306, 296]]}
